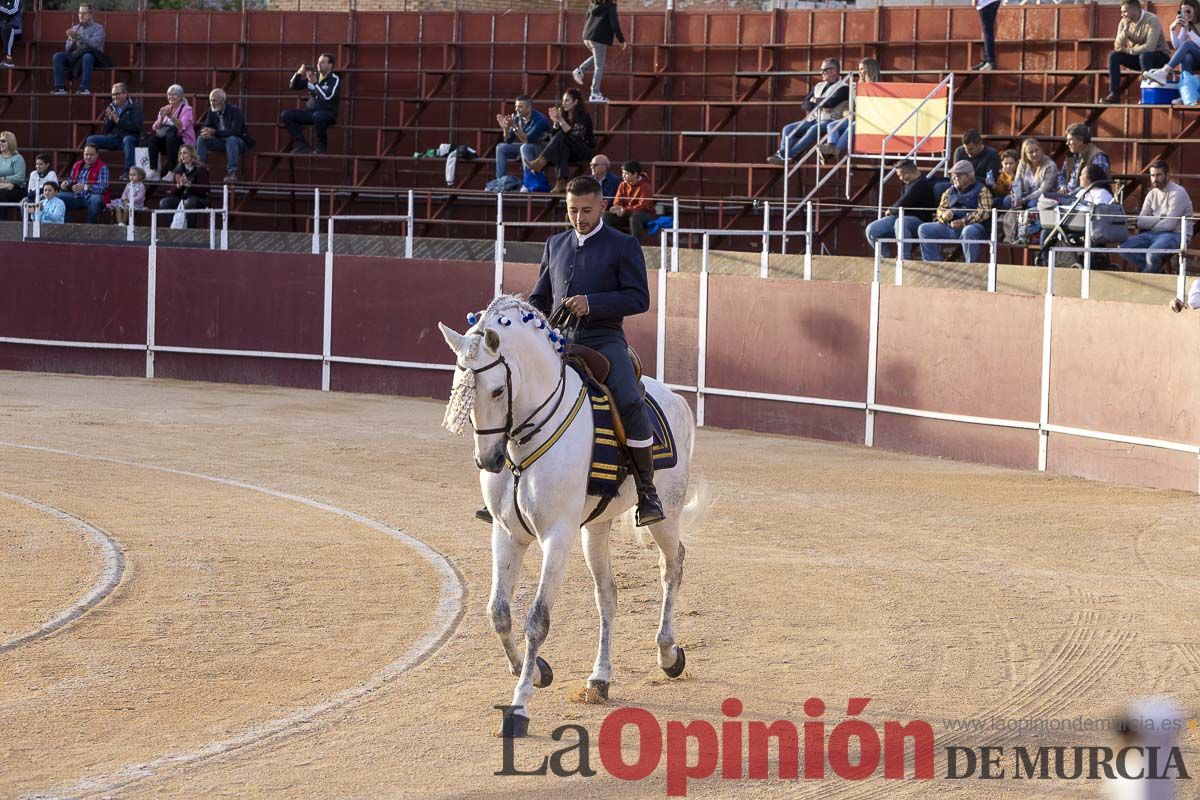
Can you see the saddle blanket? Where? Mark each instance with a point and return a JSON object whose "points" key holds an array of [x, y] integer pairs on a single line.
{"points": [[609, 465]]}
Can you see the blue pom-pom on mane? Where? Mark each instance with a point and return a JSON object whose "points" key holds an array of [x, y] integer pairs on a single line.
{"points": [[505, 321], [472, 318]]}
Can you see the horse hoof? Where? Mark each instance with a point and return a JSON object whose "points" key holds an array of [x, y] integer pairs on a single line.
{"points": [[546, 674], [596, 692], [676, 669], [515, 726]]}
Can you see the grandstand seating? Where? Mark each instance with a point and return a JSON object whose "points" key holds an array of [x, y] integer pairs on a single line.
{"points": [[696, 98]]}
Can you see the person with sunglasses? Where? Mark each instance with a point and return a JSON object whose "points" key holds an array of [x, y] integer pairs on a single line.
{"points": [[828, 98], [601, 169]]}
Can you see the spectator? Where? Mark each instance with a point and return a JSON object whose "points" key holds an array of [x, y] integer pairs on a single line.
{"points": [[1035, 177], [609, 182], [191, 183], [961, 214], [839, 131], [599, 29], [1193, 298], [1082, 153], [12, 170], [10, 29], [87, 186], [54, 210], [324, 88], [984, 159], [1159, 223], [633, 205], [1093, 191], [1002, 186], [174, 126], [918, 202], [122, 126], [573, 139], [826, 101], [1185, 38], [132, 199], [526, 126], [41, 174], [987, 22], [1139, 45], [223, 129], [83, 53]]}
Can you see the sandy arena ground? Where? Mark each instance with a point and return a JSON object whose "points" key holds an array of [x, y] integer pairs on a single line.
{"points": [[297, 606]]}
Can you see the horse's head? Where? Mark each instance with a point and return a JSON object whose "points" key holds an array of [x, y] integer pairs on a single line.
{"points": [[502, 362]]}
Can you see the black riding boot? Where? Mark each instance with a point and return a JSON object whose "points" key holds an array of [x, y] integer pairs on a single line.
{"points": [[649, 508], [484, 515]]}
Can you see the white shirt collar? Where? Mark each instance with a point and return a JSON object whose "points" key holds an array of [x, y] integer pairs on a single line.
{"points": [[579, 240]]}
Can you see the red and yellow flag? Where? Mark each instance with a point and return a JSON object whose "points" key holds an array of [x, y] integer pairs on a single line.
{"points": [[880, 108]]}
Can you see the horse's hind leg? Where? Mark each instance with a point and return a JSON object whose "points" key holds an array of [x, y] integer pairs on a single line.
{"points": [[597, 553], [507, 556], [670, 569]]}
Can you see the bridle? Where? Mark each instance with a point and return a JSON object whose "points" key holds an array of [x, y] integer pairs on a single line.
{"points": [[512, 433]]}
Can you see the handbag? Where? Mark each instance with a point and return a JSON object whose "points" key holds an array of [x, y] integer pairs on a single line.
{"points": [[179, 218]]}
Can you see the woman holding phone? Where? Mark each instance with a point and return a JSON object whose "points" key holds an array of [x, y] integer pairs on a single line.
{"points": [[1185, 39]]}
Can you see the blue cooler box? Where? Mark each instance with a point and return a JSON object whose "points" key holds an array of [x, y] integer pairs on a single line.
{"points": [[1155, 94]]}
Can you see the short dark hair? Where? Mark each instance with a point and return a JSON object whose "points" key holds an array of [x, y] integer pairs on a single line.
{"points": [[88, 6], [1134, 3], [1010, 153], [831, 60], [1160, 164], [971, 136], [1080, 131], [584, 184], [43, 157], [1096, 173], [907, 165], [632, 167], [327, 55], [53, 184], [524, 98], [92, 146]]}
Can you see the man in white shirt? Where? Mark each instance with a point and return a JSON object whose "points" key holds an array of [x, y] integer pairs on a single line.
{"points": [[1158, 225]]}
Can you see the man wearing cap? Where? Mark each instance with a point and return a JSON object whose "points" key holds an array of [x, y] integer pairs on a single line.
{"points": [[962, 213]]}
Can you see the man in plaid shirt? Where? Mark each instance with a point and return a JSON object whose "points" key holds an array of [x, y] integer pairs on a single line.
{"points": [[87, 186], [964, 212]]}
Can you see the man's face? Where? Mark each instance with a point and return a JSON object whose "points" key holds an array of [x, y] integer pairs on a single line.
{"points": [[216, 101], [630, 177], [1131, 13], [119, 94], [85, 15], [907, 176], [524, 108], [963, 180], [1158, 178], [829, 72], [324, 65], [89, 155], [599, 168], [583, 212], [49, 191], [1075, 144], [973, 149]]}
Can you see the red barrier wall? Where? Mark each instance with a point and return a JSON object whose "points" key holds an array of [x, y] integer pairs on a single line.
{"points": [[1116, 368]]}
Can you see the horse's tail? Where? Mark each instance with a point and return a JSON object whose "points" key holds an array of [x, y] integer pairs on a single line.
{"points": [[695, 510]]}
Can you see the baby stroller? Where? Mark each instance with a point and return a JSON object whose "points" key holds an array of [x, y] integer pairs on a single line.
{"points": [[1066, 219]]}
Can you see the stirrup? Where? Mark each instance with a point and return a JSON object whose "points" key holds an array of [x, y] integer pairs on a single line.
{"points": [[649, 510], [484, 515]]}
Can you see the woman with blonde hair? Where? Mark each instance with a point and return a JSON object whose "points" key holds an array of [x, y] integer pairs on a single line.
{"points": [[175, 126], [12, 170], [1036, 175]]}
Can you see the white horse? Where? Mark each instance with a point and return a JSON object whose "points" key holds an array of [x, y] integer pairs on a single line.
{"points": [[527, 409]]}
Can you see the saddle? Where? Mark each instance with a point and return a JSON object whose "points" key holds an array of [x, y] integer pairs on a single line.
{"points": [[597, 365]]}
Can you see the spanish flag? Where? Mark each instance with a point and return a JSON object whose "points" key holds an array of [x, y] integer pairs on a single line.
{"points": [[880, 108]]}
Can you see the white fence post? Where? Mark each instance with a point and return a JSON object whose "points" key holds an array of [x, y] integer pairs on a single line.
{"points": [[808, 241], [316, 240], [766, 241], [408, 236], [1044, 401], [661, 354], [675, 229], [899, 249], [224, 217], [1180, 286], [992, 259], [498, 280], [327, 316], [702, 342], [1085, 280], [151, 291]]}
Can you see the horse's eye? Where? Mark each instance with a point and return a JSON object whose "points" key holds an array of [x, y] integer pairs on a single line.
{"points": [[497, 392]]}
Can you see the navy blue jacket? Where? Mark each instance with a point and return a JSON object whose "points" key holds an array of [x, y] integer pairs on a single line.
{"points": [[322, 95], [128, 122], [235, 123], [609, 269]]}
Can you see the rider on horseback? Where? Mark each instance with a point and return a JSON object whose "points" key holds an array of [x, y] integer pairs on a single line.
{"points": [[598, 274]]}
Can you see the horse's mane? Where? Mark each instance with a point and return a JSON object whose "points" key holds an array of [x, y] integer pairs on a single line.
{"points": [[510, 302]]}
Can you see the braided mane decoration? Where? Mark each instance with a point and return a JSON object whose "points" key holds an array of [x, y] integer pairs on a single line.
{"points": [[457, 418]]}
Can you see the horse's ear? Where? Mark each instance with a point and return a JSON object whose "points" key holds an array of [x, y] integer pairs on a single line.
{"points": [[453, 338], [491, 340]]}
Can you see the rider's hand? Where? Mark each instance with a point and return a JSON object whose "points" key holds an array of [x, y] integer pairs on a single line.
{"points": [[577, 305]]}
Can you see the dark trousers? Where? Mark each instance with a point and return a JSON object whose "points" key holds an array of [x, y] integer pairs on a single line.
{"points": [[1141, 62], [563, 149], [634, 223], [87, 62], [987, 21], [294, 118], [621, 381], [167, 146], [190, 202]]}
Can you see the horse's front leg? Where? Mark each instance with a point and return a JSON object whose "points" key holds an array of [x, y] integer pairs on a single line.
{"points": [[670, 568], [556, 547], [596, 552], [507, 556]]}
